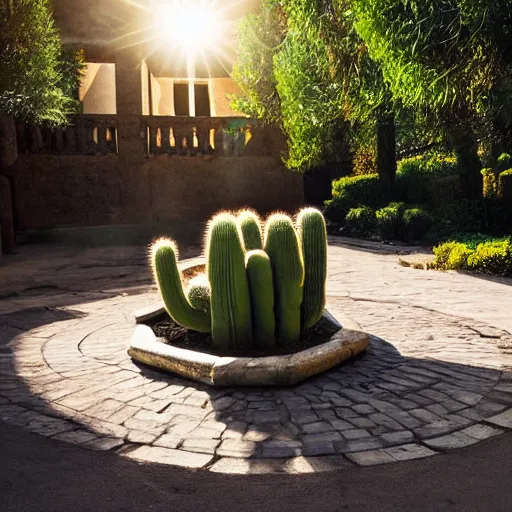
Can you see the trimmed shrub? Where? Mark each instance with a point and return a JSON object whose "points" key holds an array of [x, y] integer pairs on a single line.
{"points": [[428, 178], [360, 222], [389, 221], [353, 192], [488, 257], [416, 223]]}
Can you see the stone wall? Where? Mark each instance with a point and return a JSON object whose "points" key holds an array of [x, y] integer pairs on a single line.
{"points": [[79, 190]]}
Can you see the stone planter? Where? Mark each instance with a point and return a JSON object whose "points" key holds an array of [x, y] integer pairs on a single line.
{"points": [[346, 342]]}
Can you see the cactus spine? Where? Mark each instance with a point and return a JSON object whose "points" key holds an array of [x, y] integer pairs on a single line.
{"points": [[230, 301], [313, 238], [250, 224], [164, 255], [198, 293], [282, 246], [259, 273]]}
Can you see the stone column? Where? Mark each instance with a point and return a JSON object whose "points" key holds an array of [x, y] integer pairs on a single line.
{"points": [[129, 98]]}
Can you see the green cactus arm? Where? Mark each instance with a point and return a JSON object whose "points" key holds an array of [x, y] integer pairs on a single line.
{"points": [[313, 239], [283, 248], [164, 255], [250, 224], [199, 292], [230, 300], [259, 273]]}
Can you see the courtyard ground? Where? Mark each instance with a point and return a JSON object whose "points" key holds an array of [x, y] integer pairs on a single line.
{"points": [[437, 379]]}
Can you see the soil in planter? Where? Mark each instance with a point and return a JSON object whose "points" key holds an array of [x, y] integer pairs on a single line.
{"points": [[170, 332]]}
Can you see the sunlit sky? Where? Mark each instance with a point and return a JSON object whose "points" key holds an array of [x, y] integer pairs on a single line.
{"points": [[187, 32]]}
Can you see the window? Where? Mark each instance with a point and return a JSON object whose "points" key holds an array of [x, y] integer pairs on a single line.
{"points": [[191, 99]]}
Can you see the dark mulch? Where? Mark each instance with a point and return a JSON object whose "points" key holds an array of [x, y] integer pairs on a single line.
{"points": [[170, 332]]}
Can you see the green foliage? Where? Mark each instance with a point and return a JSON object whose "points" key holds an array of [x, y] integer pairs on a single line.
{"points": [[230, 299], [429, 178], [164, 255], [302, 64], [283, 247], [38, 82], [259, 37], [487, 256], [491, 183], [416, 223], [261, 286], [389, 221], [360, 222], [313, 239]]}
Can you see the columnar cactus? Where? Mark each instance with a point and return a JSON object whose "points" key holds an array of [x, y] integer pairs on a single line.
{"points": [[230, 301], [282, 246], [250, 224], [249, 295], [313, 239], [164, 255], [259, 273]]}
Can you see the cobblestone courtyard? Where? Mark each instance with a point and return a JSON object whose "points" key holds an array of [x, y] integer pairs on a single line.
{"points": [[438, 375]]}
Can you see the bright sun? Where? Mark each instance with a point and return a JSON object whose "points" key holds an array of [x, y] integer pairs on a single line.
{"points": [[194, 26]]}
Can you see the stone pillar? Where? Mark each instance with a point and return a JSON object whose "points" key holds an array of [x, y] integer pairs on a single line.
{"points": [[129, 97]]}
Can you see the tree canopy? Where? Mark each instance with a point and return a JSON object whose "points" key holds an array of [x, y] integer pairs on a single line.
{"points": [[38, 81]]}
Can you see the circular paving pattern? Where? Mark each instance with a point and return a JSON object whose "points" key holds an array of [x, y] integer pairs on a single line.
{"points": [[428, 384]]}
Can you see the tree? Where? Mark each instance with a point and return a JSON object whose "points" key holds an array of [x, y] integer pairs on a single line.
{"points": [[37, 81], [443, 58], [327, 86]]}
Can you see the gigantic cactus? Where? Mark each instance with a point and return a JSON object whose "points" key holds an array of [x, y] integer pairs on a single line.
{"points": [[250, 224], [259, 273], [164, 255], [313, 238], [230, 301], [282, 246]]}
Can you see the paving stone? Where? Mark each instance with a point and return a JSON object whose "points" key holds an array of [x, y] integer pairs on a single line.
{"points": [[481, 431], [425, 415], [409, 451], [236, 448], [451, 441], [503, 419], [317, 428], [75, 437], [256, 435], [48, 427], [363, 409], [404, 436], [301, 465], [356, 434], [341, 425], [278, 449], [182, 428], [362, 422], [140, 437], [370, 458], [201, 445], [168, 441], [357, 445], [385, 421], [104, 443], [266, 417], [305, 418], [248, 466], [168, 456]]}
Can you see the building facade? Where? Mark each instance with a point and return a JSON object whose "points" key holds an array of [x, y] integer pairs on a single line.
{"points": [[157, 142]]}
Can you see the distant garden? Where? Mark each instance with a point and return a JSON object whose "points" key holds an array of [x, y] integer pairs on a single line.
{"points": [[408, 104]]}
